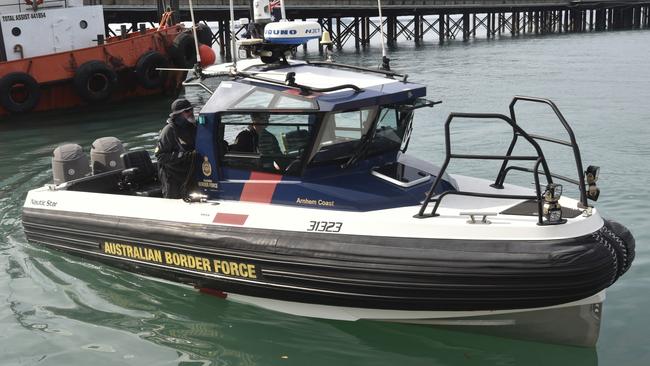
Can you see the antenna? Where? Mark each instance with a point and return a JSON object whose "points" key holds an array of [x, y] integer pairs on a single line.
{"points": [[385, 61], [284, 13], [196, 41], [232, 36]]}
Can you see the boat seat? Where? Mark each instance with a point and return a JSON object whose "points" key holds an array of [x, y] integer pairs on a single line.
{"points": [[295, 141], [140, 174]]}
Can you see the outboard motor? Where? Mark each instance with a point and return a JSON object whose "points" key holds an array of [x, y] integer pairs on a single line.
{"points": [[69, 162], [105, 155]]}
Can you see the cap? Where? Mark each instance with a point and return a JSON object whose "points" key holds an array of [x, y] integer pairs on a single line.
{"points": [[180, 105]]}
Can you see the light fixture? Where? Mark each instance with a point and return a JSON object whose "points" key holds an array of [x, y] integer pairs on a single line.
{"points": [[552, 209], [591, 177]]}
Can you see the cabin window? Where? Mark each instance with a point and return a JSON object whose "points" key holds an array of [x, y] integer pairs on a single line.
{"points": [[266, 142], [390, 129], [15, 31], [266, 99], [342, 132]]}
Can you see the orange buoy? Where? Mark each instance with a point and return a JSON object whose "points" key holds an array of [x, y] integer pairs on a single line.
{"points": [[207, 55]]}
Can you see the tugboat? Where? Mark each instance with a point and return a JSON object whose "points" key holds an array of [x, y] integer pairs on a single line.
{"points": [[332, 218], [53, 55]]}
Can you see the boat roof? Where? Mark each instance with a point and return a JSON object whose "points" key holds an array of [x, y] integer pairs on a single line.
{"points": [[374, 88]]}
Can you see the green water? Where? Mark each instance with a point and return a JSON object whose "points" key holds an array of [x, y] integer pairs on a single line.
{"points": [[58, 310]]}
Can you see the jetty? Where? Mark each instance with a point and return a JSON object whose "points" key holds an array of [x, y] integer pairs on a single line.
{"points": [[357, 21]]}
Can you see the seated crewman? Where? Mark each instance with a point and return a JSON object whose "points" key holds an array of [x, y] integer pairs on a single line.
{"points": [[256, 139]]}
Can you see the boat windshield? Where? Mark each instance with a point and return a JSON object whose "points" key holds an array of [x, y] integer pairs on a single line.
{"points": [[264, 141], [258, 98], [350, 134]]}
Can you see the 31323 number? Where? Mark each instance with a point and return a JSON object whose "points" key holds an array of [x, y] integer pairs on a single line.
{"points": [[325, 226]]}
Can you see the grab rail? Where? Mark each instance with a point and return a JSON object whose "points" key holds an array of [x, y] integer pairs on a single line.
{"points": [[539, 160], [517, 131], [572, 143]]}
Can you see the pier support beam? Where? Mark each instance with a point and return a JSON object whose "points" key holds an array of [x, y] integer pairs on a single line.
{"points": [[226, 45], [465, 26], [221, 38], [339, 36], [474, 25], [357, 36], [489, 25], [518, 19]]}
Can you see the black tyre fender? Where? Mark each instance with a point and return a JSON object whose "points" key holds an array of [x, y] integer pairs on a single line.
{"points": [[94, 81], [183, 51], [622, 239], [145, 70], [30, 92], [204, 34]]}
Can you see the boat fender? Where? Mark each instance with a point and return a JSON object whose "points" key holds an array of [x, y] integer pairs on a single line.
{"points": [[204, 34], [19, 92], [622, 240], [145, 70], [208, 57], [183, 51], [94, 81]]}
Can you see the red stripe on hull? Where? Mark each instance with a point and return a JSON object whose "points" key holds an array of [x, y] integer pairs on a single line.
{"points": [[260, 187], [230, 219]]}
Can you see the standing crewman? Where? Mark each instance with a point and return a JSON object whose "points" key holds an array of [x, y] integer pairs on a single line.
{"points": [[175, 150]]}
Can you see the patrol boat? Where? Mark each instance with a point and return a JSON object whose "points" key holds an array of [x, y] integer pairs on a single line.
{"points": [[341, 222]]}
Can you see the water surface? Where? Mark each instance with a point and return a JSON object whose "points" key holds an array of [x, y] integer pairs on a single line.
{"points": [[59, 310]]}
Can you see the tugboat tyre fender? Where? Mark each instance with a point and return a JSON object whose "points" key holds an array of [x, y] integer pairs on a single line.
{"points": [[204, 34], [183, 51], [31, 92], [145, 70], [94, 81]]}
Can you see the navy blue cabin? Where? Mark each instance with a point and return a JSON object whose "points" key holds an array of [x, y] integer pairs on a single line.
{"points": [[336, 150]]}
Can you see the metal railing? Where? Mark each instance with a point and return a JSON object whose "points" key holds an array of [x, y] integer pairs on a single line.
{"points": [[518, 132], [572, 143]]}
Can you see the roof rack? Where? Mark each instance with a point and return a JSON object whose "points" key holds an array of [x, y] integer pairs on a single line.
{"points": [[290, 82], [360, 68]]}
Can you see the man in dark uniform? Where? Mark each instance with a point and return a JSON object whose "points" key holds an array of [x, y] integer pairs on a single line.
{"points": [[256, 139], [175, 150]]}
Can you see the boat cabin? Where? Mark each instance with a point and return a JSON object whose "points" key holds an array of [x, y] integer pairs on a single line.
{"points": [[37, 28], [327, 136]]}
